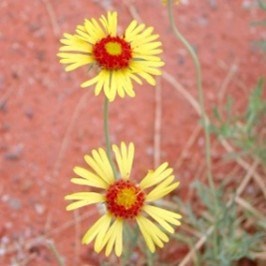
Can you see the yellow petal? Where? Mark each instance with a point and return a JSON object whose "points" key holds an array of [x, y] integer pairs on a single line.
{"points": [[99, 162], [138, 29], [151, 232], [147, 67], [146, 236], [168, 216], [83, 199], [77, 204], [75, 44], [128, 87], [67, 58], [114, 237], [92, 179], [119, 159], [134, 77], [112, 16], [83, 35], [110, 23], [124, 158], [80, 181], [131, 33], [117, 83], [99, 85], [107, 87], [102, 77], [130, 28], [90, 196], [163, 220], [144, 57], [141, 40], [139, 51], [160, 191], [99, 243], [151, 46], [94, 30], [106, 165], [147, 77], [119, 239], [130, 157], [124, 84], [97, 227], [98, 28], [90, 82], [154, 177]]}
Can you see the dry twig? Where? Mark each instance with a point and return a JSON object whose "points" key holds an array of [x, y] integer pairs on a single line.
{"points": [[52, 16], [157, 124], [82, 102]]}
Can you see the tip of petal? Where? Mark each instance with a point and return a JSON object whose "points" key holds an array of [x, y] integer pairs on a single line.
{"points": [[177, 184], [84, 241], [67, 196], [131, 145], [178, 223], [83, 85], [110, 99]]}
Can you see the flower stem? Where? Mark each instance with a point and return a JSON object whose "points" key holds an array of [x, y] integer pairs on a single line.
{"points": [[198, 74], [107, 134]]}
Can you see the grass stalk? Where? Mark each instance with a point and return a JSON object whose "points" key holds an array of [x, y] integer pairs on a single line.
{"points": [[107, 134]]}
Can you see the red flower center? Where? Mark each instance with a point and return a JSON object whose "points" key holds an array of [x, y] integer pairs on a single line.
{"points": [[124, 199], [112, 53]]}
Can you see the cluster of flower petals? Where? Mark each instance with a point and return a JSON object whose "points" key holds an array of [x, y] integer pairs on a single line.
{"points": [[119, 58], [124, 200]]}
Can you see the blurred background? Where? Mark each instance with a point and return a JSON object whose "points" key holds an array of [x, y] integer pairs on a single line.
{"points": [[47, 122]]}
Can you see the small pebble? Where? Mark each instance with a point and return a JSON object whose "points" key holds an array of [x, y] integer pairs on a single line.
{"points": [[26, 185], [15, 152], [29, 113], [14, 204], [39, 208], [2, 251], [247, 4]]}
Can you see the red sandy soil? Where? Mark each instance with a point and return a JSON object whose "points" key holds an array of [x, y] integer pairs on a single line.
{"points": [[47, 122]]}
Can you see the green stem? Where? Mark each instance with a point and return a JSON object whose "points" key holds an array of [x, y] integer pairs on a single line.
{"points": [[107, 134], [204, 116]]}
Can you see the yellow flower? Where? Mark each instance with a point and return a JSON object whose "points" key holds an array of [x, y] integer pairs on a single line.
{"points": [[124, 200], [120, 58]]}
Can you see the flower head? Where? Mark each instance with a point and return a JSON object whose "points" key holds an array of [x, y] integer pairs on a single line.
{"points": [[120, 58], [124, 200]]}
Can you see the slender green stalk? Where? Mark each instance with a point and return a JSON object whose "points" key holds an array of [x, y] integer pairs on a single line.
{"points": [[107, 134], [60, 260], [204, 116]]}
